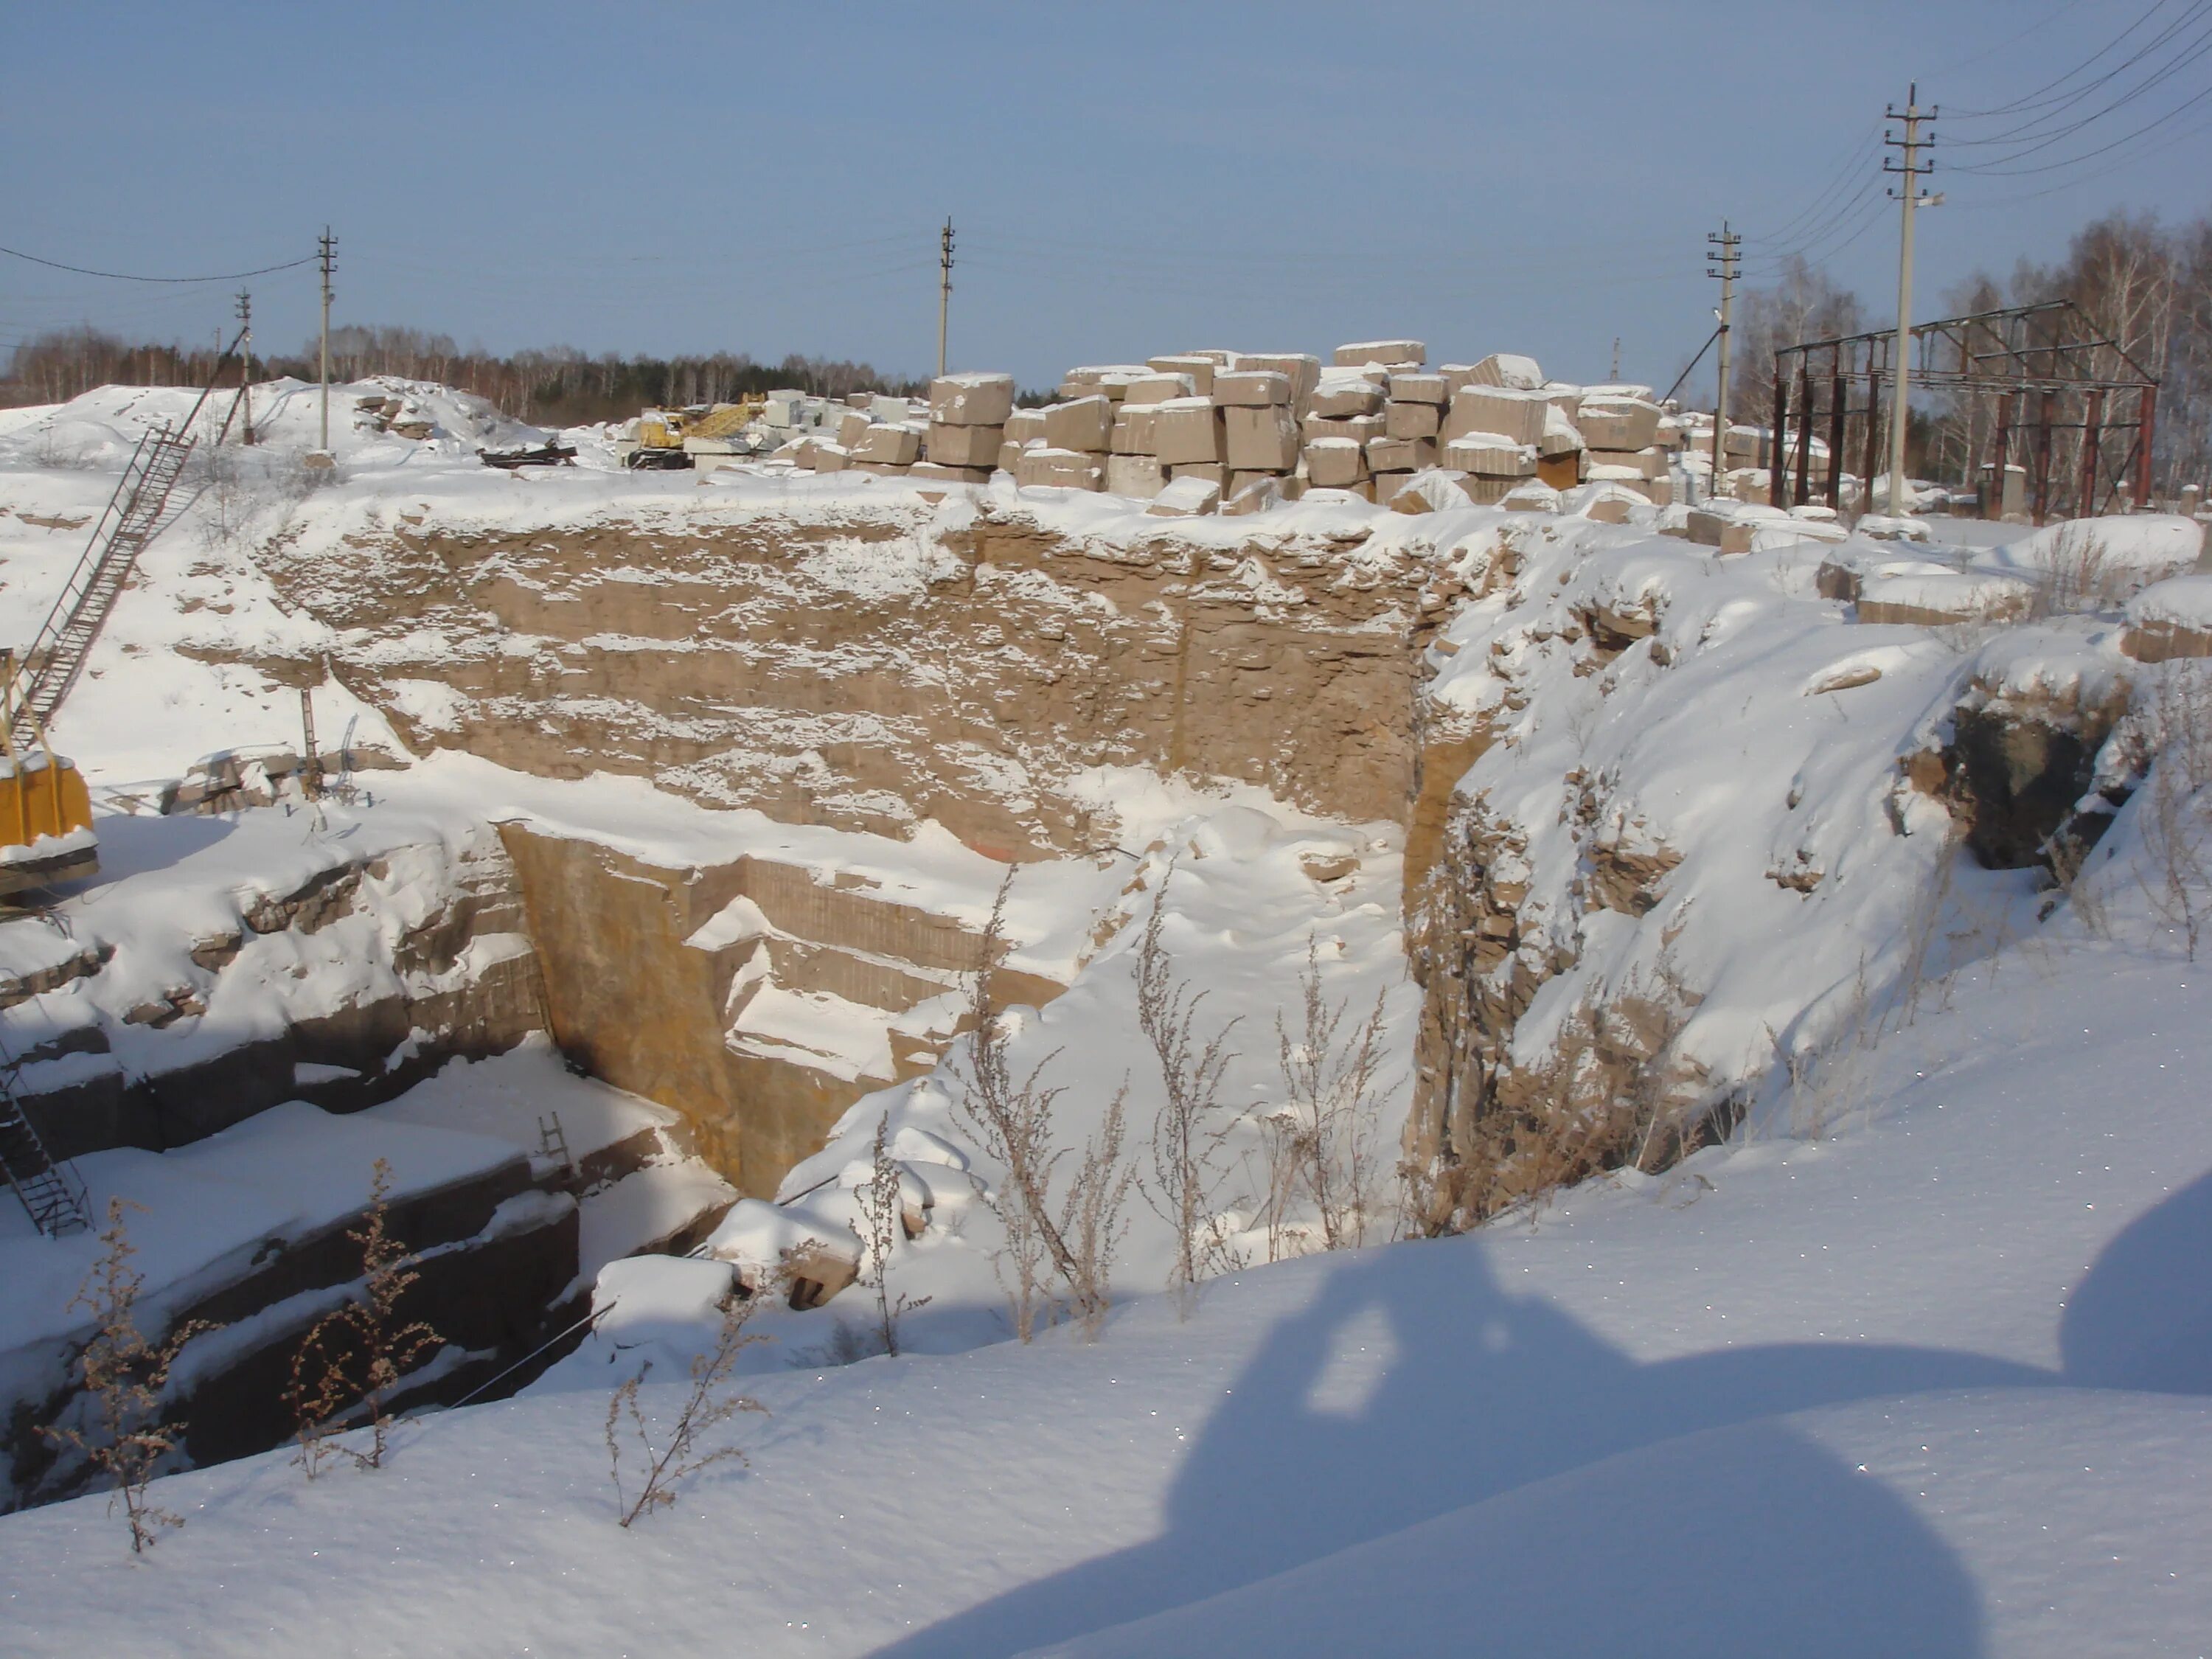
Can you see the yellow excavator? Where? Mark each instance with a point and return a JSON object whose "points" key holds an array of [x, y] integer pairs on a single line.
{"points": [[661, 433], [46, 812]]}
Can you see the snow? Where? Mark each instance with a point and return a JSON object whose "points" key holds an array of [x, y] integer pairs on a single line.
{"points": [[2177, 602], [2140, 548]]}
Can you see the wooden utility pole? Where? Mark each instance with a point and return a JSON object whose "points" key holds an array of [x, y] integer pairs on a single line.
{"points": [[1725, 258], [1910, 170], [943, 288], [245, 363], [328, 248]]}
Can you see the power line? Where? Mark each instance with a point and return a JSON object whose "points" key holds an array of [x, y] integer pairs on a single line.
{"points": [[2034, 99], [127, 277]]}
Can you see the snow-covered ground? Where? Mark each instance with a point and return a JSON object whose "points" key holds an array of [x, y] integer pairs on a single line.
{"points": [[1920, 1366]]}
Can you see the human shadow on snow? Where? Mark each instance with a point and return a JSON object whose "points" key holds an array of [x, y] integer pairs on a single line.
{"points": [[1414, 1385]]}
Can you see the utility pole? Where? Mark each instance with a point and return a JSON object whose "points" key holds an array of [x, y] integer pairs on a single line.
{"points": [[943, 288], [1616, 359], [245, 363], [330, 253], [1726, 256], [1910, 170]]}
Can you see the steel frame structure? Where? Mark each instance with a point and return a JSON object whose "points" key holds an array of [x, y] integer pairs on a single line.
{"points": [[2040, 364]]}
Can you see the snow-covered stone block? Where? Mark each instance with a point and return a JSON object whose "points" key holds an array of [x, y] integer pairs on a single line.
{"points": [[1504, 369], [1159, 388], [1490, 455], [1336, 463], [1431, 491], [1343, 399], [1381, 351], [832, 458], [950, 474], [1302, 369], [1618, 423], [1641, 463], [1213, 472], [884, 445], [1044, 466], [1135, 430], [1388, 455], [1251, 388], [1198, 367], [2170, 619], [1358, 428], [974, 399], [1419, 386], [1185, 498], [1084, 424], [1138, 477], [1024, 424], [1260, 439], [852, 427], [964, 446], [1516, 415], [1252, 492]]}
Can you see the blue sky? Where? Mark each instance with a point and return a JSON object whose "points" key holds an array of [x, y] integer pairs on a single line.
{"points": [[1124, 178]]}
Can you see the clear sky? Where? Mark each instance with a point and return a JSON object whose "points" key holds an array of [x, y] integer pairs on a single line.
{"points": [[1124, 178]]}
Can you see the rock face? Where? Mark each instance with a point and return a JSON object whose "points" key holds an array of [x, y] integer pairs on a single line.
{"points": [[709, 988], [883, 667]]}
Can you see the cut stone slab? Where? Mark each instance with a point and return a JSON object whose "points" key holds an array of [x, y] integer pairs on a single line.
{"points": [[1344, 399], [1158, 388], [1358, 428], [852, 427], [2170, 619], [1256, 493], [1199, 368], [1084, 424], [950, 474], [1530, 495], [1388, 455], [889, 446], [1490, 455], [1260, 439], [1336, 463], [1302, 369], [832, 458], [1516, 415], [1620, 424], [965, 446], [1024, 424], [1213, 472], [1381, 351], [1418, 386], [1251, 388], [1138, 477], [1061, 469], [1412, 420], [1642, 463], [1504, 369], [1135, 429], [1942, 597], [1188, 431], [974, 399], [1185, 498]]}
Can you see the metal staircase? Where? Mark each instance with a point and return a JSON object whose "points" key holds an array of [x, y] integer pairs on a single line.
{"points": [[56, 656], [52, 1195]]}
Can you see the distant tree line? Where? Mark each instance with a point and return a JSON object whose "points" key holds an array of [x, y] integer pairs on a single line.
{"points": [[556, 385]]}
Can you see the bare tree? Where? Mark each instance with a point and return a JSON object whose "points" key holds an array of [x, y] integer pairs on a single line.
{"points": [[707, 1405], [1331, 1076], [882, 1213], [353, 1357], [1186, 1136], [125, 1378]]}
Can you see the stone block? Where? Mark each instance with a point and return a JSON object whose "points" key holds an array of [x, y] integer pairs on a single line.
{"points": [[1024, 424], [1618, 423], [1643, 462], [1358, 428], [1530, 495], [884, 469], [1388, 455], [1010, 455], [1419, 387], [888, 445], [1341, 399], [1158, 388], [950, 474], [1513, 414], [1082, 423], [1199, 365], [1251, 388], [892, 410], [1185, 498], [1135, 430], [1431, 492], [852, 427], [1489, 455], [1412, 420], [1060, 469], [1260, 439], [1502, 368], [964, 446], [1188, 431], [1302, 369], [1138, 477], [977, 399], [832, 458], [1252, 492], [1336, 463], [1381, 351], [1213, 472]]}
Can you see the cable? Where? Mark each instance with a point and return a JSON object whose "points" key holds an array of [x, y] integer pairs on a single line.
{"points": [[2038, 140], [2087, 156], [2030, 101], [127, 277]]}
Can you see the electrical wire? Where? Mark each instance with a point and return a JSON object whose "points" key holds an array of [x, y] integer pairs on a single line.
{"points": [[2035, 100], [127, 277]]}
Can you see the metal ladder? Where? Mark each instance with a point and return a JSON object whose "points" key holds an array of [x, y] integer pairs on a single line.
{"points": [[52, 1195], [64, 640]]}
